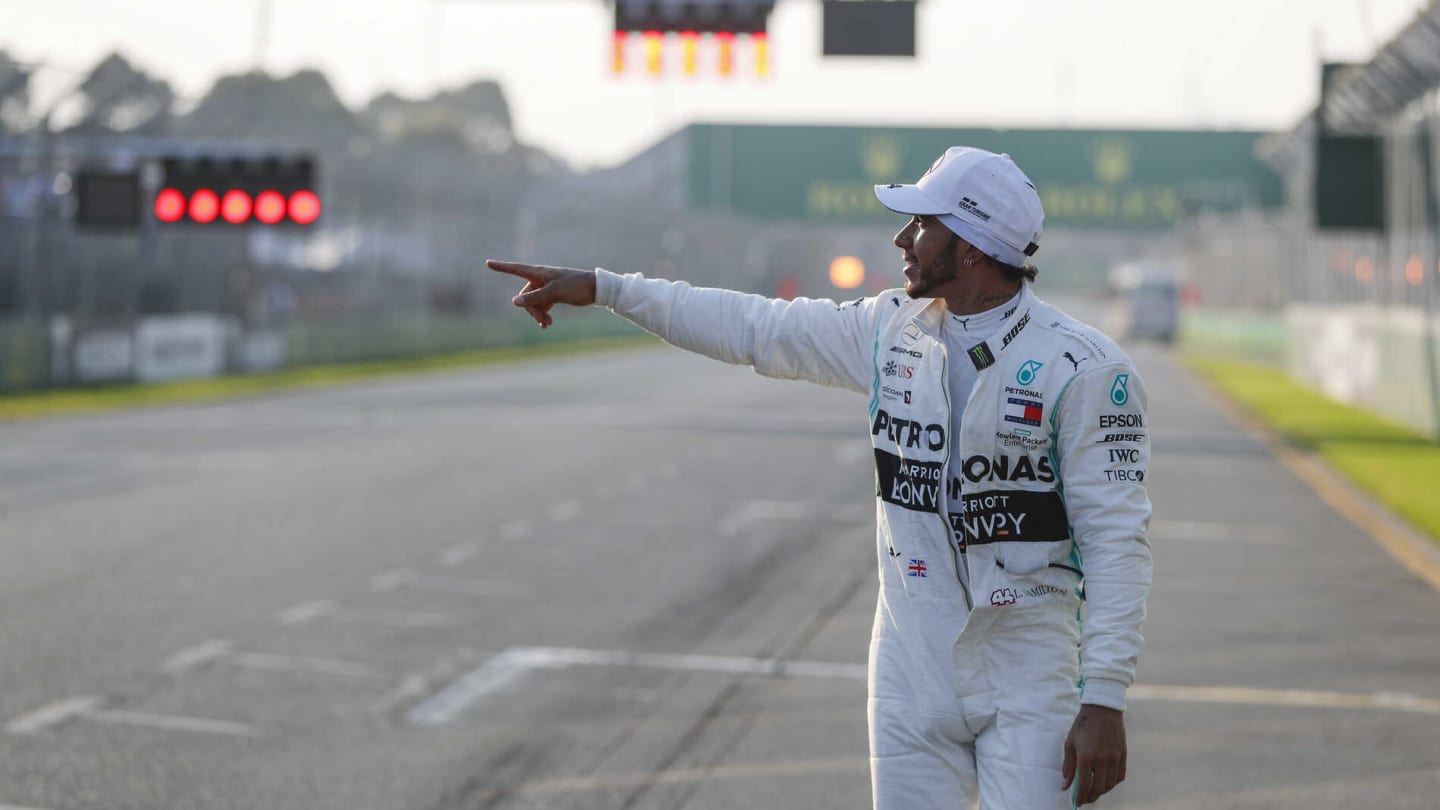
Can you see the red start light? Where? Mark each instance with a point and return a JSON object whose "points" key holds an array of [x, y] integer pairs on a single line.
{"points": [[270, 207], [304, 207], [235, 206], [204, 206], [169, 205]]}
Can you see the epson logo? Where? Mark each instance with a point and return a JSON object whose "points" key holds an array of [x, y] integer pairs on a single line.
{"points": [[1121, 420], [908, 433]]}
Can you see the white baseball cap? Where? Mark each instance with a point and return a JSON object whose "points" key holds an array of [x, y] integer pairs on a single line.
{"points": [[982, 197]]}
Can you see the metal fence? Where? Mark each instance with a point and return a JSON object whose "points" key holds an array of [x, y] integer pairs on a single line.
{"points": [[1353, 313]]}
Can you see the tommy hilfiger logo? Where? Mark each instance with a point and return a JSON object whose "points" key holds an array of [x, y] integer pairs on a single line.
{"points": [[973, 207]]}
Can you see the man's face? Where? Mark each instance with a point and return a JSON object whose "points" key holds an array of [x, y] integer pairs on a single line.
{"points": [[930, 255]]}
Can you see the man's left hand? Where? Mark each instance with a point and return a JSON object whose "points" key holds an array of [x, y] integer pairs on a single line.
{"points": [[1094, 753]]}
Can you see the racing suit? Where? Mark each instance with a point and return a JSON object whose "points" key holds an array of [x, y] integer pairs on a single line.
{"points": [[972, 688]]}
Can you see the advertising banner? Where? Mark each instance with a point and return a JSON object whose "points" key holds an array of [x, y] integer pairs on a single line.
{"points": [[175, 347]]}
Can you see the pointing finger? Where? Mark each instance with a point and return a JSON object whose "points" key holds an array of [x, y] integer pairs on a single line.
{"points": [[528, 272]]}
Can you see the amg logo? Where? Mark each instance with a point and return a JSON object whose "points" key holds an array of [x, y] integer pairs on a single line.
{"points": [[908, 433]]}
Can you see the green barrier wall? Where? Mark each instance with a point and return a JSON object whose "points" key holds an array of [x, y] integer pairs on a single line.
{"points": [[1255, 337]]}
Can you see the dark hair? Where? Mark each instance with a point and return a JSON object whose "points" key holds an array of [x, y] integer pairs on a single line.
{"points": [[1016, 274], [1012, 274]]}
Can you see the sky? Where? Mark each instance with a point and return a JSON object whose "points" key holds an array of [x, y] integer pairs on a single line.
{"points": [[1249, 64]]}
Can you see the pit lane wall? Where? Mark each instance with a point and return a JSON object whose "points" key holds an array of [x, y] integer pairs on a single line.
{"points": [[202, 345], [1380, 359]]}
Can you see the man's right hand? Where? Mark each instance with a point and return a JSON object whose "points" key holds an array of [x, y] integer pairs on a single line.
{"points": [[548, 286]]}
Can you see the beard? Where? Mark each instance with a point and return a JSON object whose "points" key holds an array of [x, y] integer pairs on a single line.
{"points": [[931, 275]]}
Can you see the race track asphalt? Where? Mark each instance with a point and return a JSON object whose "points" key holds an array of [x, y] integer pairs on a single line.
{"points": [[634, 580]]}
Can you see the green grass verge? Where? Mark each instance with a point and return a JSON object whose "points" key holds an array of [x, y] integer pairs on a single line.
{"points": [[79, 400], [1398, 467]]}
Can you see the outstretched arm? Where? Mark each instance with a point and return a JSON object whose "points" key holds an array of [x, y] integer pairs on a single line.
{"points": [[800, 339], [547, 286]]}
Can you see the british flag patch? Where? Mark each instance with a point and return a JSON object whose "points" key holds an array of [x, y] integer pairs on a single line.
{"points": [[917, 568]]}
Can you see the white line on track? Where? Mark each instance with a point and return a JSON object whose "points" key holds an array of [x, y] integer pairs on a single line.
{"points": [[53, 714], [198, 655], [393, 618], [171, 722], [456, 554], [309, 611], [302, 663], [91, 707], [306, 611], [404, 577], [754, 512], [1219, 532], [207, 652], [857, 766], [515, 663], [1393, 701], [412, 687]]}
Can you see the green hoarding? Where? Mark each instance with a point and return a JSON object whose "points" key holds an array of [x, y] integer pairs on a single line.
{"points": [[1103, 179]]}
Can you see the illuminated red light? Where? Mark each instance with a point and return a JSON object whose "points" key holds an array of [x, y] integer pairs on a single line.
{"points": [[204, 206], [304, 207], [617, 56], [270, 207], [235, 206], [169, 205]]}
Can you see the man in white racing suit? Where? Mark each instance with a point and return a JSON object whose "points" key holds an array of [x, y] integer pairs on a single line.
{"points": [[1010, 454]]}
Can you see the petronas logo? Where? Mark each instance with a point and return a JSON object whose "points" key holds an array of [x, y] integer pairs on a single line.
{"points": [[1112, 161], [1120, 390], [880, 156]]}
